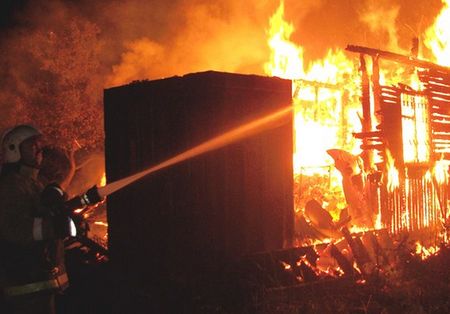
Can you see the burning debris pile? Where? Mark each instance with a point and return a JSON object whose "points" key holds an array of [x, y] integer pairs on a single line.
{"points": [[367, 271]]}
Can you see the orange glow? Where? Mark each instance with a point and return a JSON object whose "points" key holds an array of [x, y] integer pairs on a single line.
{"points": [[437, 37], [103, 180], [440, 171], [286, 57], [424, 252], [416, 133], [327, 110], [236, 134], [317, 94], [378, 223], [101, 223], [286, 266], [78, 210], [392, 176]]}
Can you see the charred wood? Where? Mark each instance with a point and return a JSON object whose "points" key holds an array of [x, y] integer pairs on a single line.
{"points": [[306, 272], [397, 58], [440, 126], [319, 84], [390, 95], [373, 146], [439, 76], [358, 250], [444, 89], [342, 261], [440, 112], [372, 134]]}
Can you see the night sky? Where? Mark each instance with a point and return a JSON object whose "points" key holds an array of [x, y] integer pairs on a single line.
{"points": [[9, 9]]}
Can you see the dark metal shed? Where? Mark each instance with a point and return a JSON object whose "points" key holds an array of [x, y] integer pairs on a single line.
{"points": [[210, 209]]}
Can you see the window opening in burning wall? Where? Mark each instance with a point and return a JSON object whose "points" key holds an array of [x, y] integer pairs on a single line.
{"points": [[415, 129]]}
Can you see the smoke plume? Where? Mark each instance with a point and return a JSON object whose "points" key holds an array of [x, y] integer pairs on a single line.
{"points": [[152, 39]]}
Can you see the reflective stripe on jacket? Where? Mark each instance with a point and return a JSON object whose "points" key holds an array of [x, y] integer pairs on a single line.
{"points": [[57, 283]]}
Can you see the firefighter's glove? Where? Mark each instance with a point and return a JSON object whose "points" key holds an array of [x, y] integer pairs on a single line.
{"points": [[92, 196]]}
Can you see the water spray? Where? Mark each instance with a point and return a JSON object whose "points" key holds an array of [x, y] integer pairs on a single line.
{"points": [[241, 132]]}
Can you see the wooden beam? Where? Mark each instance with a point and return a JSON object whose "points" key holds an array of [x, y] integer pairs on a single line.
{"points": [[396, 57]]}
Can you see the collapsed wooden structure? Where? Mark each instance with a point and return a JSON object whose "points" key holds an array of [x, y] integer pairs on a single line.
{"points": [[413, 135], [414, 130]]}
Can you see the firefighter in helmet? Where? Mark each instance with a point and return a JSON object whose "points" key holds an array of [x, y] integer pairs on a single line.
{"points": [[34, 221]]}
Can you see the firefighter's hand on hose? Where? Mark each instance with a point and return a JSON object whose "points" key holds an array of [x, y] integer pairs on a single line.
{"points": [[90, 198]]}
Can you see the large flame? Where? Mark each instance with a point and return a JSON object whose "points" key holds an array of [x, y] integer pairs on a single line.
{"points": [[318, 94], [440, 171], [392, 175], [326, 96], [286, 57], [437, 37], [416, 133]]}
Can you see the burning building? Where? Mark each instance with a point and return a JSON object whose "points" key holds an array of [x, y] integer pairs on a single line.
{"points": [[237, 199], [198, 215], [247, 197], [384, 113], [413, 138]]}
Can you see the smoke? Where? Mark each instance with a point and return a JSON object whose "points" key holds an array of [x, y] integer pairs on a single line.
{"points": [[196, 36], [383, 21], [151, 39], [113, 42], [219, 36], [154, 39]]}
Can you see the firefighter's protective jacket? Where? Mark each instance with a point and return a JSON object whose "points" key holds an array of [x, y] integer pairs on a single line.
{"points": [[31, 256]]}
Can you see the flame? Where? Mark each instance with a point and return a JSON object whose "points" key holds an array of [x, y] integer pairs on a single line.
{"points": [[437, 37], [327, 104], [393, 179], [378, 222], [286, 57], [286, 266], [440, 171], [416, 132], [424, 252], [317, 94], [103, 180]]}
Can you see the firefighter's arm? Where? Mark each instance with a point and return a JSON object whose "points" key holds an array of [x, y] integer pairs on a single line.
{"points": [[17, 222], [53, 200], [64, 211]]}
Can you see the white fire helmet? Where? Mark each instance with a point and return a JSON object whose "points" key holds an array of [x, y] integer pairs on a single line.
{"points": [[12, 139]]}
